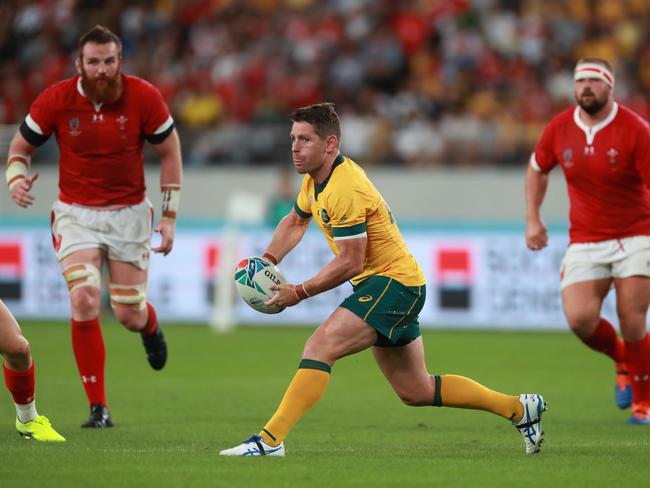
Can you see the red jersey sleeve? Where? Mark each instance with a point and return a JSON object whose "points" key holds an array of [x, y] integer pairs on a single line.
{"points": [[544, 155], [41, 120], [642, 154], [157, 122]]}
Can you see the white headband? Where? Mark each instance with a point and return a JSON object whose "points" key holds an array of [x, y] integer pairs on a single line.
{"points": [[593, 70]]}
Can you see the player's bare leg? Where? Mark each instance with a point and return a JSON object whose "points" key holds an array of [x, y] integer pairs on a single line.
{"points": [[405, 369], [128, 291], [82, 272], [18, 369], [632, 299], [342, 334], [582, 302]]}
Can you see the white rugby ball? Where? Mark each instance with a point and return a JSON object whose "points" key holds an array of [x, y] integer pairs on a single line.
{"points": [[254, 278]]}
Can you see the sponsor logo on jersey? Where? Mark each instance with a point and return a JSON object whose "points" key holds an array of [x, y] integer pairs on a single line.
{"points": [[122, 121], [365, 298], [611, 154], [590, 150], [567, 156], [73, 123], [323, 216], [98, 118]]}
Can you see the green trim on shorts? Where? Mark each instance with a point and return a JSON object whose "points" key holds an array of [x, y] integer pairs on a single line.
{"points": [[313, 364], [407, 313], [389, 307], [365, 317]]}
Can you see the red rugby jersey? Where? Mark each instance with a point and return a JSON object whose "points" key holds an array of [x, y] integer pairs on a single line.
{"points": [[101, 146], [607, 169]]}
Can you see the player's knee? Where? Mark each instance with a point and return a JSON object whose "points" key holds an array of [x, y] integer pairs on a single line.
{"points": [[85, 302], [583, 322], [83, 280], [129, 304], [318, 347], [633, 325], [129, 317], [410, 400], [17, 354]]}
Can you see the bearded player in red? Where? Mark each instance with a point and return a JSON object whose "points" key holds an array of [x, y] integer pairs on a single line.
{"points": [[604, 151], [101, 119]]}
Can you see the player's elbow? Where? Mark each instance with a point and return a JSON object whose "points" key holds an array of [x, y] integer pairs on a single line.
{"points": [[353, 266]]}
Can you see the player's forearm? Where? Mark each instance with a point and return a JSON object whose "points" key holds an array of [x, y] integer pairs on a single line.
{"points": [[336, 272], [171, 167], [288, 233], [536, 185], [18, 160], [171, 173], [19, 145]]}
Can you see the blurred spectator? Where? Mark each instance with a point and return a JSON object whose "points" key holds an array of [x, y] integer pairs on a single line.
{"points": [[426, 82]]}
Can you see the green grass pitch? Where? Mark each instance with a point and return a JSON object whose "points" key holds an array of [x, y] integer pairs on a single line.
{"points": [[218, 389]]}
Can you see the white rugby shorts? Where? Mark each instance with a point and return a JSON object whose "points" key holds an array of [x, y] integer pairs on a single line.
{"points": [[616, 258], [125, 233]]}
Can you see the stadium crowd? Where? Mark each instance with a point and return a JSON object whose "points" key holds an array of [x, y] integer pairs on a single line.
{"points": [[428, 82]]}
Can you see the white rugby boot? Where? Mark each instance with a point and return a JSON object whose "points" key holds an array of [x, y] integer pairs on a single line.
{"points": [[255, 446], [530, 424]]}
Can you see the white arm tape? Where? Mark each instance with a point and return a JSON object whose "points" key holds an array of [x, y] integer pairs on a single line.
{"points": [[171, 198], [17, 168]]}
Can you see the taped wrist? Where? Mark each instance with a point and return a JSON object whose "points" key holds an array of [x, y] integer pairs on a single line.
{"points": [[270, 257], [300, 291], [171, 197], [17, 168]]}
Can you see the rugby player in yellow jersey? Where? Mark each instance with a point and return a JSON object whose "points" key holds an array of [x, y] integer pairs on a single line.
{"points": [[388, 294]]}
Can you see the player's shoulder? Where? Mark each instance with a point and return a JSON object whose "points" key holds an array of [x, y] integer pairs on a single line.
{"points": [[631, 119], [563, 118], [61, 91], [139, 86], [347, 172], [348, 178]]}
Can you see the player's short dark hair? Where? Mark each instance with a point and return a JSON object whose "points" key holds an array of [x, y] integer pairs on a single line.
{"points": [[322, 116], [99, 35], [600, 61]]}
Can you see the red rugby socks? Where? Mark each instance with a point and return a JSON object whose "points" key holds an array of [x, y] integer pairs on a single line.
{"points": [[89, 352]]}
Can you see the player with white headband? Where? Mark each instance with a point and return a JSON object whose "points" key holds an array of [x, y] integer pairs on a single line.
{"points": [[604, 151]]}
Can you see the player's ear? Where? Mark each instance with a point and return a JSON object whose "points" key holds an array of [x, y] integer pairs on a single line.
{"points": [[332, 144], [77, 63]]}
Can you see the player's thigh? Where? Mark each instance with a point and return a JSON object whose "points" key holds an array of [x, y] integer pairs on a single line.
{"points": [[405, 368], [128, 236], [94, 256], [341, 334], [124, 273], [632, 300], [11, 337], [582, 302]]}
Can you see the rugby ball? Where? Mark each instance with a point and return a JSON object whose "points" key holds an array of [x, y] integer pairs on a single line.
{"points": [[254, 278]]}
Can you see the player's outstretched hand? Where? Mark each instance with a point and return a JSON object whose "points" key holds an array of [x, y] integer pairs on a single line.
{"points": [[285, 295], [536, 234], [21, 192], [166, 228]]}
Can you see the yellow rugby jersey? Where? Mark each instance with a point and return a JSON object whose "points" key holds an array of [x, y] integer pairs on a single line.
{"points": [[347, 205]]}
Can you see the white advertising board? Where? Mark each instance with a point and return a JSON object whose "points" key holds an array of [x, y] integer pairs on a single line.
{"points": [[474, 279]]}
